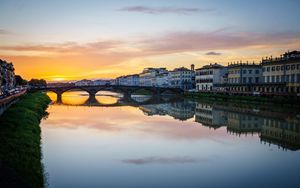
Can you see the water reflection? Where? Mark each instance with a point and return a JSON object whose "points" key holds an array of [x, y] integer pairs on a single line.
{"points": [[279, 128], [74, 98], [170, 143]]}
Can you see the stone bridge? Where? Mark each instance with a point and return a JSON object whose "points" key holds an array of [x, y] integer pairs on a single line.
{"points": [[127, 91]]}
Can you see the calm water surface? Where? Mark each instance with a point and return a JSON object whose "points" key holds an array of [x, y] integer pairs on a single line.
{"points": [[144, 142]]}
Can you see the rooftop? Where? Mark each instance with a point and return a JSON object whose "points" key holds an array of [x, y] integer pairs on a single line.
{"points": [[211, 66]]}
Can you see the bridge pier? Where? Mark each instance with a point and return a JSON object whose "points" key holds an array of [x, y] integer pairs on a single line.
{"points": [[58, 97], [126, 94]]}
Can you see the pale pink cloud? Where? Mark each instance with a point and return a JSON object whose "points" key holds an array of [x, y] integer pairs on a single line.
{"points": [[174, 42], [165, 10]]}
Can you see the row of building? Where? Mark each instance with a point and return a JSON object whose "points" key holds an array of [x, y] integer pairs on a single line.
{"points": [[272, 75], [280, 75], [182, 77], [7, 77]]}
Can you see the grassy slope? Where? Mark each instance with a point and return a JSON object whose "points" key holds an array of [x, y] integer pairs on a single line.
{"points": [[20, 137]]}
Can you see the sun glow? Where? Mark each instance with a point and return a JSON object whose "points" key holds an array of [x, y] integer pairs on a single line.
{"points": [[58, 79]]}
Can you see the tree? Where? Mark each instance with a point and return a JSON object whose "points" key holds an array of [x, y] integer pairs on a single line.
{"points": [[20, 81], [38, 83]]}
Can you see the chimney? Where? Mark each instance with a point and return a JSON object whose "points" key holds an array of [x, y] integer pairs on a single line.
{"points": [[192, 67]]}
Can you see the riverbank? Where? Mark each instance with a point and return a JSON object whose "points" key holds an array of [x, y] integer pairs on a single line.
{"points": [[7, 101], [282, 101], [20, 150]]}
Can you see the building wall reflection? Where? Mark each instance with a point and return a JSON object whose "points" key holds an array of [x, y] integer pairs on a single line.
{"points": [[279, 128], [182, 110], [272, 127]]}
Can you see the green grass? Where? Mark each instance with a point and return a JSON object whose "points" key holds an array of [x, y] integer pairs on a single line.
{"points": [[20, 146]]}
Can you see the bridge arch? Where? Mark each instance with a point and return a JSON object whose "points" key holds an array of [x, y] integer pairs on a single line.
{"points": [[126, 90]]}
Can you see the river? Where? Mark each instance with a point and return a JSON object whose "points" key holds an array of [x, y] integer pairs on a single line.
{"points": [[168, 143]]}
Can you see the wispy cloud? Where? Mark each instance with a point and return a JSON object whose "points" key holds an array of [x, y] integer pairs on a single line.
{"points": [[185, 41], [67, 47], [213, 53], [164, 10], [163, 160], [163, 44], [4, 32]]}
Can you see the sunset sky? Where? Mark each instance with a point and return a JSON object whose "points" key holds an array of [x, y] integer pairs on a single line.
{"points": [[76, 39]]}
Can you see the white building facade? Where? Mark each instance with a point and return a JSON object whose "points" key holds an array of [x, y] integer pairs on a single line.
{"points": [[149, 75], [209, 76], [182, 78]]}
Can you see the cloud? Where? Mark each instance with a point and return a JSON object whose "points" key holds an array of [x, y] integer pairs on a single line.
{"points": [[71, 47], [213, 53], [186, 41], [4, 32], [117, 51], [163, 160], [164, 10]]}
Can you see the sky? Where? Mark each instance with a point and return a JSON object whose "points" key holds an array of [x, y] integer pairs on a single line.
{"points": [[77, 39]]}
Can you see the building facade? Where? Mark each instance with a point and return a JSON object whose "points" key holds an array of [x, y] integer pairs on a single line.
{"points": [[129, 80], [182, 78], [148, 76], [7, 77], [282, 74], [209, 76], [244, 77], [84, 82], [162, 80]]}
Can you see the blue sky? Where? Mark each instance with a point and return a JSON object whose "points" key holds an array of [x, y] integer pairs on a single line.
{"points": [[135, 25]]}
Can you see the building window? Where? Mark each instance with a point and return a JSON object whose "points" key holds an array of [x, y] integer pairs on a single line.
{"points": [[282, 67], [250, 80], [244, 80], [278, 68], [264, 69], [293, 67], [288, 67], [298, 77], [268, 69], [287, 78], [282, 78], [250, 71], [273, 68], [268, 79], [256, 79], [298, 66], [277, 78], [256, 71], [292, 78], [273, 79]]}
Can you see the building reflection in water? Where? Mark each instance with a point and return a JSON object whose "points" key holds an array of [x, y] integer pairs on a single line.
{"points": [[182, 110], [279, 128]]}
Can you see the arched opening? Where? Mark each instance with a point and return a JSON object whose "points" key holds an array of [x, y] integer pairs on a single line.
{"points": [[168, 92], [108, 97], [142, 92], [52, 96], [141, 98], [141, 95], [75, 97]]}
